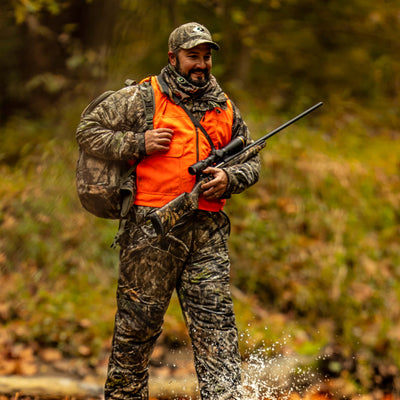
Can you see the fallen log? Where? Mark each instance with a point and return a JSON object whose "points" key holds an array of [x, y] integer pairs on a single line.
{"points": [[48, 386], [60, 387]]}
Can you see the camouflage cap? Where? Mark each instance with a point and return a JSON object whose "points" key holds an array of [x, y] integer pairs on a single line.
{"points": [[190, 35]]}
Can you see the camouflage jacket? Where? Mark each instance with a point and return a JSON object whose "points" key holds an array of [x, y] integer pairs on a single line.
{"points": [[115, 128]]}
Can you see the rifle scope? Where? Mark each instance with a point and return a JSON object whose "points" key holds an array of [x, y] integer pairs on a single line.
{"points": [[217, 156]]}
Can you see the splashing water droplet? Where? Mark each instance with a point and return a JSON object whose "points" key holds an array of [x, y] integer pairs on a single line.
{"points": [[270, 373]]}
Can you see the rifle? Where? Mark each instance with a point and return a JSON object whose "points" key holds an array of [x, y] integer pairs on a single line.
{"points": [[164, 218]]}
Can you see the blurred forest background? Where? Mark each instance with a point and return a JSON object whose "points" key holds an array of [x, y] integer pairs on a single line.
{"points": [[315, 244]]}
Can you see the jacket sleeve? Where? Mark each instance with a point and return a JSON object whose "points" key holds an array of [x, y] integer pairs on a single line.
{"points": [[241, 176], [115, 128]]}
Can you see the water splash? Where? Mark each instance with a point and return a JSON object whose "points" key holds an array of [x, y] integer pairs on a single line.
{"points": [[273, 373], [270, 372]]}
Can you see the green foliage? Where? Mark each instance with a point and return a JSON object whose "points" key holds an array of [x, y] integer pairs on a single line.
{"points": [[56, 297], [24, 8], [319, 239]]}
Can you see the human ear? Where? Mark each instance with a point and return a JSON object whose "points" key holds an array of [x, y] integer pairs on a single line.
{"points": [[172, 58]]}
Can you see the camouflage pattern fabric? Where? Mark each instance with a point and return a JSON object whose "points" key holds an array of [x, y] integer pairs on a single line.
{"points": [[106, 187], [193, 259], [114, 130], [99, 185], [190, 35]]}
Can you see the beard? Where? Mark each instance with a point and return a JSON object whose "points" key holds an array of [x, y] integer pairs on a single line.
{"points": [[200, 81]]}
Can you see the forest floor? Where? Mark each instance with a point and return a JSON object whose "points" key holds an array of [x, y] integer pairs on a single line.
{"points": [[29, 373]]}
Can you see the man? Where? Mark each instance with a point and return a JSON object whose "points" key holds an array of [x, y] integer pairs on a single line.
{"points": [[193, 257]]}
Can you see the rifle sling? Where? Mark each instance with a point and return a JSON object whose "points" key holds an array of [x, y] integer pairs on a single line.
{"points": [[178, 102]]}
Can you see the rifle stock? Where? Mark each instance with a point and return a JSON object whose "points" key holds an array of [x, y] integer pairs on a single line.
{"points": [[163, 219]]}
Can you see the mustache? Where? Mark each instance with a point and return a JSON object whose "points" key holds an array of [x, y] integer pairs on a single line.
{"points": [[203, 70]]}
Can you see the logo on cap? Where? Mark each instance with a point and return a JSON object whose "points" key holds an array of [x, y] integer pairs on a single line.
{"points": [[190, 35], [198, 29]]}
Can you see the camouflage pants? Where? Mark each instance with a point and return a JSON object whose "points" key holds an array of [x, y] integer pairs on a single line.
{"points": [[193, 259]]}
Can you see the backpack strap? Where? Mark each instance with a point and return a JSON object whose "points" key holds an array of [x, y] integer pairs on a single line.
{"points": [[130, 82], [147, 92], [94, 103]]}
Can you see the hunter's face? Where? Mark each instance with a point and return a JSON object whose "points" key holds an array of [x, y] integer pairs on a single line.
{"points": [[193, 64]]}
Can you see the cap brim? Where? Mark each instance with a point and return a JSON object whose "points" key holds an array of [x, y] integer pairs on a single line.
{"points": [[193, 43]]}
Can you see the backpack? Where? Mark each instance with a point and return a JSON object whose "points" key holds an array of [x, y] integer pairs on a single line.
{"points": [[106, 188]]}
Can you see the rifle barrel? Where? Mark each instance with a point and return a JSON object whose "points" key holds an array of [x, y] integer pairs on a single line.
{"points": [[274, 132], [293, 120]]}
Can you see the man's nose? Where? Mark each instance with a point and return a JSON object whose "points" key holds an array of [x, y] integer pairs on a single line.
{"points": [[201, 63]]}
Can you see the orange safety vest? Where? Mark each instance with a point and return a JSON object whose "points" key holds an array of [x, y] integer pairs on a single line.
{"points": [[163, 176]]}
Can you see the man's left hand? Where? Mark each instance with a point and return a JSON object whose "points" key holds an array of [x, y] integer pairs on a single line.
{"points": [[216, 187]]}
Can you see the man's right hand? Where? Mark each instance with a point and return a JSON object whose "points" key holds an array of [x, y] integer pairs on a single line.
{"points": [[158, 140]]}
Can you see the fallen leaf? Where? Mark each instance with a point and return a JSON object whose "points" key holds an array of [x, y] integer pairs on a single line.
{"points": [[26, 368], [50, 354], [8, 367], [84, 350]]}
